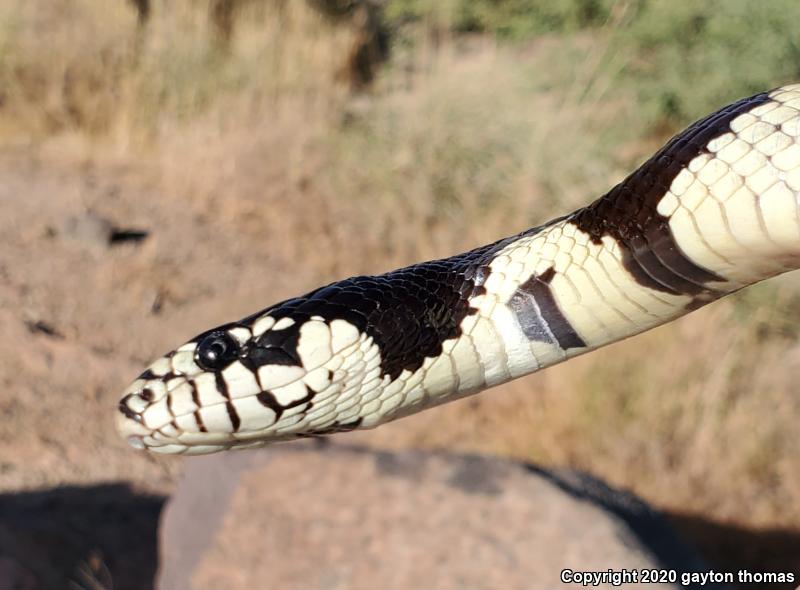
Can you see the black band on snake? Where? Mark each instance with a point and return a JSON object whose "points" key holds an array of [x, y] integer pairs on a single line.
{"points": [[716, 209]]}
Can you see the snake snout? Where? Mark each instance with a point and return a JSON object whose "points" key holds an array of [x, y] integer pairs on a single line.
{"points": [[129, 422]]}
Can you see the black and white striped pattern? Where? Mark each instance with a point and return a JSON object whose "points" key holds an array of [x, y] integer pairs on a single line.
{"points": [[716, 209]]}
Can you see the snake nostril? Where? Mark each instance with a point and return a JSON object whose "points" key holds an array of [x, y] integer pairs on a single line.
{"points": [[127, 411], [147, 394]]}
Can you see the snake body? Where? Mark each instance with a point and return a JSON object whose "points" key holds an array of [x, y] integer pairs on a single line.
{"points": [[716, 209]]}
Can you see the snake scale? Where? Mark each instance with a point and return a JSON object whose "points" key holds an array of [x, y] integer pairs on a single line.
{"points": [[716, 209]]}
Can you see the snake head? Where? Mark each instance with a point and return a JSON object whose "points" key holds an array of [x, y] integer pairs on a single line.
{"points": [[266, 378]]}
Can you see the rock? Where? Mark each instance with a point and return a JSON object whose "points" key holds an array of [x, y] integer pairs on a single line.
{"points": [[335, 517]]}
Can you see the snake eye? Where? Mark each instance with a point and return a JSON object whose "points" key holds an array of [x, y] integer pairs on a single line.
{"points": [[216, 351]]}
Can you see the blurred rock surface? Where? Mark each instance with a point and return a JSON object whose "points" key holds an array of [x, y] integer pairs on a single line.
{"points": [[337, 517]]}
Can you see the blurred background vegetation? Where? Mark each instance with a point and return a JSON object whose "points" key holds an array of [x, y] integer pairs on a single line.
{"points": [[409, 129], [96, 66]]}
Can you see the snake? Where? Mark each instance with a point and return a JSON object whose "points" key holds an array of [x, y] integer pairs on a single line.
{"points": [[716, 209]]}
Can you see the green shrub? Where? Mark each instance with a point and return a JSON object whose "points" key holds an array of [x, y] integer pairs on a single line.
{"points": [[690, 57], [508, 19], [684, 57]]}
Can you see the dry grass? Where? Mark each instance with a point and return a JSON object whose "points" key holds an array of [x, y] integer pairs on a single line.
{"points": [[459, 143], [103, 74]]}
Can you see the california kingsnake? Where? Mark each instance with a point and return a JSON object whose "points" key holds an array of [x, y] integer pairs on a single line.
{"points": [[716, 209]]}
